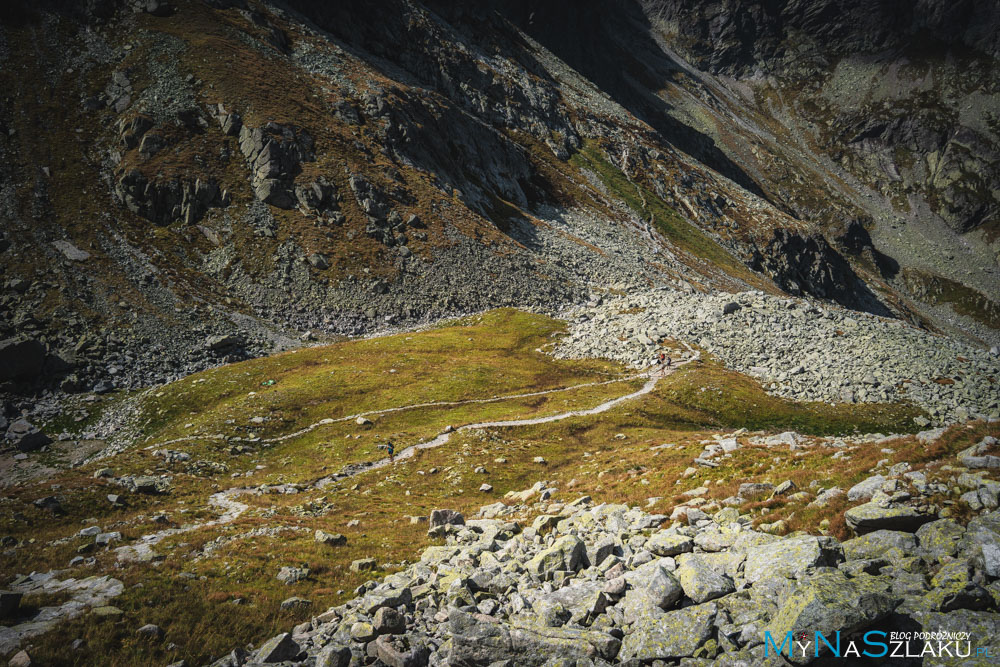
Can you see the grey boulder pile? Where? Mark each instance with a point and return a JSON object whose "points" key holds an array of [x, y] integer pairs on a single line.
{"points": [[606, 584], [797, 349]]}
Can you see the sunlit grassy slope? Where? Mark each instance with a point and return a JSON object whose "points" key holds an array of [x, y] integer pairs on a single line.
{"points": [[190, 593]]}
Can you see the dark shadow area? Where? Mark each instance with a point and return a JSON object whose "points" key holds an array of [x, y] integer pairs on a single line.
{"points": [[611, 44]]}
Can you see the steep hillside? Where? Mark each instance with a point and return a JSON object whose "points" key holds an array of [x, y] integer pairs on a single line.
{"points": [[193, 182]]}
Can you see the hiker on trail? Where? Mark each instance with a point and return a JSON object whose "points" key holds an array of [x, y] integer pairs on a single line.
{"points": [[659, 362], [669, 362], [390, 449]]}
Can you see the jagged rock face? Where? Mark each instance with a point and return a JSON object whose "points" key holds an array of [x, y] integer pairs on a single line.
{"points": [[740, 37], [912, 128], [809, 265]]}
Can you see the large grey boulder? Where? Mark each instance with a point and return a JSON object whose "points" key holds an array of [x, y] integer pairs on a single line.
{"points": [[828, 602], [702, 582], [482, 640], [445, 517], [865, 489], [567, 554], [25, 436], [875, 544], [982, 543], [396, 652], [653, 590], [790, 556], [676, 634], [278, 649], [291, 575], [583, 601], [874, 516], [664, 543], [940, 539]]}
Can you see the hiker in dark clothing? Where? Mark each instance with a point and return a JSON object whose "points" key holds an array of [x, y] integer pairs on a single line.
{"points": [[390, 449]]}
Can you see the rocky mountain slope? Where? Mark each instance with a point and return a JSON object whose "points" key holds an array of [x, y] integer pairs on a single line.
{"points": [[192, 182]]}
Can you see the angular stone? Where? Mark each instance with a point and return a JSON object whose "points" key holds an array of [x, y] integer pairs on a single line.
{"points": [[293, 603], [332, 655], [875, 544], [568, 554], [669, 544], [790, 556], [873, 516], [700, 581], [446, 517], [583, 601], [392, 655], [330, 539], [751, 490], [676, 634], [292, 575], [364, 565], [828, 602], [278, 649], [388, 621], [940, 539], [150, 632], [653, 590], [483, 640], [865, 489]]}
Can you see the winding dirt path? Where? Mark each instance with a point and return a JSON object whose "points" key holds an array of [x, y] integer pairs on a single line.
{"points": [[94, 591], [653, 375], [402, 408], [142, 549]]}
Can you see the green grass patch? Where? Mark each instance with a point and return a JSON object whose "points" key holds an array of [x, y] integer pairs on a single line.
{"points": [[963, 300], [727, 399], [668, 222]]}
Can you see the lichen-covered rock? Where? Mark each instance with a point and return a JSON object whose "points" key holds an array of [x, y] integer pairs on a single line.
{"points": [[568, 553], [653, 590], [791, 556], [940, 539], [666, 543], [482, 640], [877, 543], [702, 582], [865, 489], [953, 588], [278, 649], [676, 634], [583, 601], [874, 516], [829, 602]]}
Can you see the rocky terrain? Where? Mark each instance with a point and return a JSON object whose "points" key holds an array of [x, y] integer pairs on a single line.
{"points": [[598, 584], [798, 349]]}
